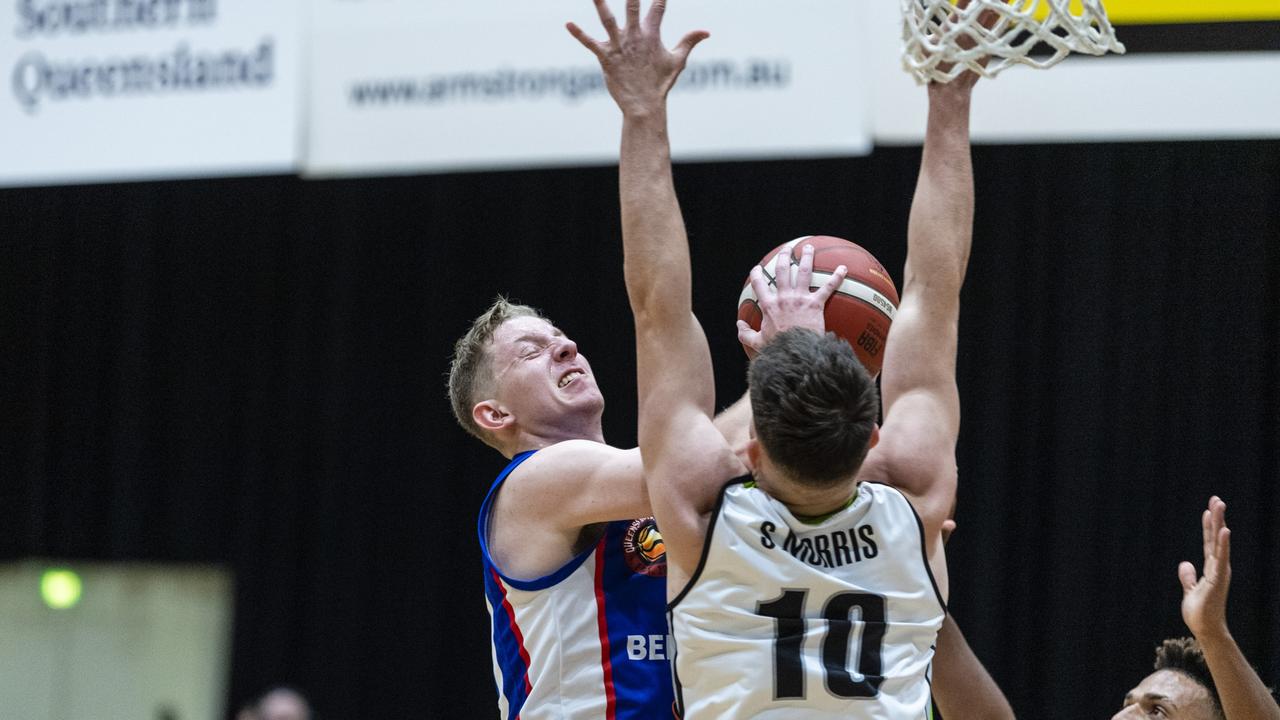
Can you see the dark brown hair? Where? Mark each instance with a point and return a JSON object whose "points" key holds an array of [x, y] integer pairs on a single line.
{"points": [[815, 407], [1185, 656]]}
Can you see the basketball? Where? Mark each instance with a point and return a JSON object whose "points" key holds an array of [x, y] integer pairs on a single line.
{"points": [[862, 308]]}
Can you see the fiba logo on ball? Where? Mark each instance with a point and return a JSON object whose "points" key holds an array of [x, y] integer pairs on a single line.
{"points": [[643, 548], [871, 341]]}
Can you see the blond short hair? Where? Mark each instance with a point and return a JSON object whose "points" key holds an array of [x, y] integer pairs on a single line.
{"points": [[470, 372]]}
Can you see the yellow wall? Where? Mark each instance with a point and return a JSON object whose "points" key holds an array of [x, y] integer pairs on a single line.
{"points": [[1151, 12], [1135, 12]]}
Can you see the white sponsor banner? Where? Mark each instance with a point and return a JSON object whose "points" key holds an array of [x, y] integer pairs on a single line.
{"points": [[434, 85], [1146, 96], [132, 89]]}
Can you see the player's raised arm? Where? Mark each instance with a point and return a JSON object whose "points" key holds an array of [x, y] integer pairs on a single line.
{"points": [[685, 457], [1204, 609], [918, 384], [639, 71], [962, 687]]}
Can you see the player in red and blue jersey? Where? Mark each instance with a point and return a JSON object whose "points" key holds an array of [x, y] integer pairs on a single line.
{"points": [[575, 583]]}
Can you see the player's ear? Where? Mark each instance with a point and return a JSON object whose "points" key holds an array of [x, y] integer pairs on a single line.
{"points": [[753, 453], [491, 415], [875, 436]]}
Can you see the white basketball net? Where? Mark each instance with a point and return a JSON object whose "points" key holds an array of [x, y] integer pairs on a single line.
{"points": [[942, 41]]}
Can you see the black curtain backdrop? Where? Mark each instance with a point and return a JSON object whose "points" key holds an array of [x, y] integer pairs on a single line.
{"points": [[251, 372]]}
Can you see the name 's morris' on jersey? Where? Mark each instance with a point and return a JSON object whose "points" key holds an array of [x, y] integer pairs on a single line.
{"points": [[830, 550]]}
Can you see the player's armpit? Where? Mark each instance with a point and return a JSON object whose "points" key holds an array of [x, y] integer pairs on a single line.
{"points": [[916, 454], [734, 423], [686, 466]]}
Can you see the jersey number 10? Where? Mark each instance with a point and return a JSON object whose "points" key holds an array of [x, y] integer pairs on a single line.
{"points": [[788, 641]]}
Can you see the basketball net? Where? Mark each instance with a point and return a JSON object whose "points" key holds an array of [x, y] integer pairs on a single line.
{"points": [[942, 41]]}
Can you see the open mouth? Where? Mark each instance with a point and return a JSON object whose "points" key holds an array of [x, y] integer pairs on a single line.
{"points": [[570, 377]]}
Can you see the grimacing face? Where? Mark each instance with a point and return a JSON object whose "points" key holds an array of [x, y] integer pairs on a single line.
{"points": [[1167, 694], [540, 378]]}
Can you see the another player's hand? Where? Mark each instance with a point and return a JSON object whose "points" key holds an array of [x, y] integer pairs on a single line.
{"points": [[948, 527], [963, 84], [1204, 602], [638, 68], [788, 302]]}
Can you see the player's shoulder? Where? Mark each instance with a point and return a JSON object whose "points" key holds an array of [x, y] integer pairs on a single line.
{"points": [[889, 497], [906, 476], [567, 461], [881, 490], [741, 489], [569, 454], [902, 460]]}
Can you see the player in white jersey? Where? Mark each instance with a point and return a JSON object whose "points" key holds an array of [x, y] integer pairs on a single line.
{"points": [[747, 641], [800, 472]]}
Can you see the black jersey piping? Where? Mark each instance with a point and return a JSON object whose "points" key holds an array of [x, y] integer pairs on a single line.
{"points": [[693, 579], [924, 548], [677, 705]]}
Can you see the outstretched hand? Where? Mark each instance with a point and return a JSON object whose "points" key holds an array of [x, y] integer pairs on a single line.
{"points": [[638, 69], [963, 84], [1204, 601], [786, 301]]}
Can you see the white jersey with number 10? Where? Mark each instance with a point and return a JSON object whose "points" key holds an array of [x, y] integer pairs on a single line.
{"points": [[787, 619]]}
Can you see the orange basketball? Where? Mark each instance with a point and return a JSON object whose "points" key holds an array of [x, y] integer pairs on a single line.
{"points": [[862, 308]]}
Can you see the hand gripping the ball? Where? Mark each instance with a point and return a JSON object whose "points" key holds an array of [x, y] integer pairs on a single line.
{"points": [[786, 301]]}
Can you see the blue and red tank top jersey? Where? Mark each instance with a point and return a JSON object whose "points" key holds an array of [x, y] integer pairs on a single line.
{"points": [[589, 640]]}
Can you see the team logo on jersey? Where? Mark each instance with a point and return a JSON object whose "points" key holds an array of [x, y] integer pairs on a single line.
{"points": [[643, 548]]}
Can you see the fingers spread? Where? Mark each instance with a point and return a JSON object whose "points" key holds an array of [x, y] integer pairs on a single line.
{"points": [[806, 268], [1187, 576], [607, 19], [1223, 554], [657, 9], [689, 42], [749, 338], [781, 272], [587, 41], [759, 284], [1206, 532], [833, 283], [633, 14]]}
